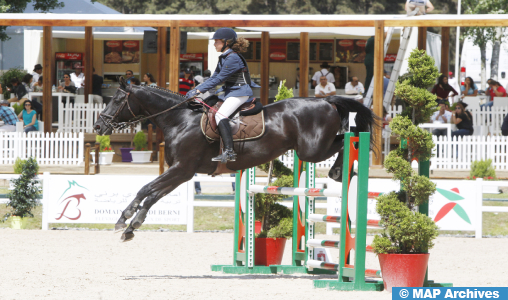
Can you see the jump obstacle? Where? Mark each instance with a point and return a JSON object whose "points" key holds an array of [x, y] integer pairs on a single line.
{"points": [[350, 276]]}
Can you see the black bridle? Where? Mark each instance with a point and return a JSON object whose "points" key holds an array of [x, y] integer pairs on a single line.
{"points": [[111, 120]]}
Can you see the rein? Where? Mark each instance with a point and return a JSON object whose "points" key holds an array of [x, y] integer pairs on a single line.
{"points": [[109, 120]]}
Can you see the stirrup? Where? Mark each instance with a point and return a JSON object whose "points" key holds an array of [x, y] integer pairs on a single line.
{"points": [[227, 155]]}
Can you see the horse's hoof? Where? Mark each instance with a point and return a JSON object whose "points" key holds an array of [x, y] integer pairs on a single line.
{"points": [[127, 237], [120, 227]]}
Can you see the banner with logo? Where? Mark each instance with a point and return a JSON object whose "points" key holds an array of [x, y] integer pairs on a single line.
{"points": [[101, 199], [452, 206], [121, 52], [350, 51]]}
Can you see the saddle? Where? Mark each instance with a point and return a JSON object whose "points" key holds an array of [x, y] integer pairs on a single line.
{"points": [[248, 122]]}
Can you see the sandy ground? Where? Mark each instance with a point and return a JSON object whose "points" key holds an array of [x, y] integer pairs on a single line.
{"points": [[156, 265]]}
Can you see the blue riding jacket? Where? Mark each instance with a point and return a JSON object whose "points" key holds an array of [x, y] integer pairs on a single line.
{"points": [[229, 64]]}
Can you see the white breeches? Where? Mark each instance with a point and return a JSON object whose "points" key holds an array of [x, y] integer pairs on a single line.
{"points": [[229, 107]]}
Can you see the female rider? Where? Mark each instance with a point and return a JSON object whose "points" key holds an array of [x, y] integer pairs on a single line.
{"points": [[233, 71]]}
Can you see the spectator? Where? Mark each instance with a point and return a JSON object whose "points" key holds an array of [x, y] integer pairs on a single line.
{"points": [[369, 61], [186, 82], [297, 83], [336, 75], [453, 81], [233, 185], [386, 118], [463, 120], [36, 73], [324, 88], [97, 82], [149, 80], [67, 85], [441, 116], [29, 117], [78, 77], [8, 116], [27, 82], [325, 71], [354, 87], [135, 81], [19, 90], [496, 90], [38, 85], [197, 186], [417, 7], [386, 81], [1, 90], [469, 88], [128, 76], [442, 89], [504, 126]]}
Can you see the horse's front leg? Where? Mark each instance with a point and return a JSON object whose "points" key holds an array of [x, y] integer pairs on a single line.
{"points": [[132, 208], [160, 187]]}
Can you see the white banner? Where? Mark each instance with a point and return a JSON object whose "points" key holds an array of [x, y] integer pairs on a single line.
{"points": [[452, 206], [102, 198]]}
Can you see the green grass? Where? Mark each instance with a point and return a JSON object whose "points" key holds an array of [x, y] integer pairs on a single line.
{"points": [[222, 218]]}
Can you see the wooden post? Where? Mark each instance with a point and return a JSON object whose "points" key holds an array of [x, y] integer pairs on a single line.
{"points": [[445, 50], [88, 61], [265, 67], [162, 38], [47, 96], [97, 149], [161, 158], [174, 56], [378, 89], [87, 159], [304, 64], [150, 141], [422, 38]]}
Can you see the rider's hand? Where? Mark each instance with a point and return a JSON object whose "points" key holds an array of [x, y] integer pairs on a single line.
{"points": [[191, 94]]}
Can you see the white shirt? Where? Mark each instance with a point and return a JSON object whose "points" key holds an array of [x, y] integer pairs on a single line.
{"points": [[35, 78], [328, 88], [78, 80], [324, 72], [447, 115], [358, 89], [418, 2]]}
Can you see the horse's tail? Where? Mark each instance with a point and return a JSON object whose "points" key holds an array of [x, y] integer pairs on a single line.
{"points": [[365, 120]]}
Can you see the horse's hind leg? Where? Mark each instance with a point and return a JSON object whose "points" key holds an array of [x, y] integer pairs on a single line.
{"points": [[155, 190]]}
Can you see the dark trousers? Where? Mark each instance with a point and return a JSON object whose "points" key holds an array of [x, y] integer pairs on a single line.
{"points": [[504, 132], [462, 132], [370, 73]]}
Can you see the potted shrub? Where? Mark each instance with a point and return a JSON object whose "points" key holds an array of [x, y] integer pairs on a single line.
{"points": [[484, 169], [106, 152], [407, 235], [139, 154], [24, 197]]}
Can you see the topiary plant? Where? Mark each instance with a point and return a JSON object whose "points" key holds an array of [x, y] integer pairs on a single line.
{"points": [[23, 199], [105, 143], [140, 141], [404, 229], [6, 79]]}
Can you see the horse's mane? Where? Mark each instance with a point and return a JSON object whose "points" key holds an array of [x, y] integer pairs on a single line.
{"points": [[161, 91]]}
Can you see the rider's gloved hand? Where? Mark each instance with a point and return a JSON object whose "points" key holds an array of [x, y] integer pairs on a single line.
{"points": [[191, 94]]}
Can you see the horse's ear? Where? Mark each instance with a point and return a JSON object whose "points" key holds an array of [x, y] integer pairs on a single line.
{"points": [[122, 82]]}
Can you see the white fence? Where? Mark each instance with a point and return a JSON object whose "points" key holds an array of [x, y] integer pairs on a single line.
{"points": [[80, 117], [459, 152], [288, 160], [48, 149]]}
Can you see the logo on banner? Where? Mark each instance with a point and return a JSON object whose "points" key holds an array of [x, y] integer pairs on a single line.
{"points": [[361, 43], [69, 205], [451, 195], [278, 56], [346, 43]]}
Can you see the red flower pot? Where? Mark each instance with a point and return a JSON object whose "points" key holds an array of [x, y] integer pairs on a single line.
{"points": [[403, 270], [257, 227], [269, 251]]}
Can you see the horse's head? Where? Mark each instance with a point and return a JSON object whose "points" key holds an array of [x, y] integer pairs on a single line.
{"points": [[120, 109]]}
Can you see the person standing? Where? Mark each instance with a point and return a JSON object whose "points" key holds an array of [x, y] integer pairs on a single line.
{"points": [[324, 88], [97, 82], [369, 61], [186, 83], [417, 7], [8, 117], [78, 77], [36, 73], [231, 69], [29, 117], [325, 71]]}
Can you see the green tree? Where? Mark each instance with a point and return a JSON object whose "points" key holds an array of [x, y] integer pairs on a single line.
{"points": [[18, 6]]}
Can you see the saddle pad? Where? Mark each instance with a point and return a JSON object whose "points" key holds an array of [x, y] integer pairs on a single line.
{"points": [[254, 128]]}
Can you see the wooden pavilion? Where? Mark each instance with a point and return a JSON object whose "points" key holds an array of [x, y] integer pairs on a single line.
{"points": [[174, 22]]}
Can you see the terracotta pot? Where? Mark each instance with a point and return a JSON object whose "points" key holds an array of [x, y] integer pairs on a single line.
{"points": [[403, 270], [126, 154], [269, 251]]}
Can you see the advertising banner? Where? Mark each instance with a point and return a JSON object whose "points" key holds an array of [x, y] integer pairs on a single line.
{"points": [[452, 206], [350, 51], [121, 52], [101, 199]]}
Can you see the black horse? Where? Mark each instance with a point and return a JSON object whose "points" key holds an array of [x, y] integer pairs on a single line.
{"points": [[311, 126]]}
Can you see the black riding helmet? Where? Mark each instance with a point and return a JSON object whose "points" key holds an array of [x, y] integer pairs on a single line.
{"points": [[226, 34]]}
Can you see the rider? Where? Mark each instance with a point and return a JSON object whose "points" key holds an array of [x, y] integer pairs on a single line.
{"points": [[233, 71]]}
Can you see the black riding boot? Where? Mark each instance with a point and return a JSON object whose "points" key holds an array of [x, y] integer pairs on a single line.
{"points": [[227, 138]]}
